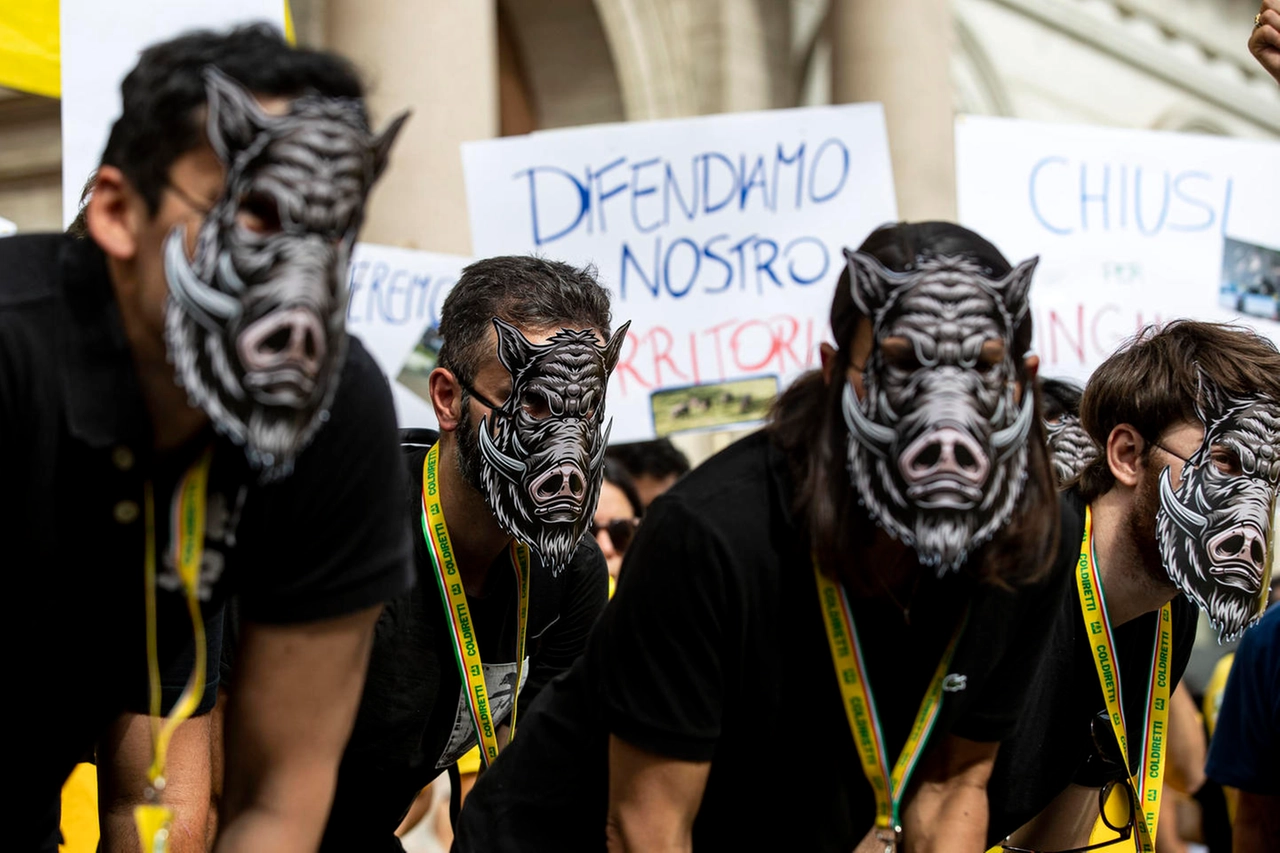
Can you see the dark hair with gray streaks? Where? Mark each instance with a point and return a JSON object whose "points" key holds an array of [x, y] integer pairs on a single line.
{"points": [[528, 292]]}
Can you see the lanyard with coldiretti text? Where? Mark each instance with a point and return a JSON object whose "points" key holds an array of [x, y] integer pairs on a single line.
{"points": [[1148, 781], [465, 647], [860, 708], [153, 818]]}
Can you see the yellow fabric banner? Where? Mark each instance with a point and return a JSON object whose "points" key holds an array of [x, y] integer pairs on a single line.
{"points": [[30, 46]]}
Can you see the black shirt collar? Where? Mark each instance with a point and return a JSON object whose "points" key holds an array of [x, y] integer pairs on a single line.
{"points": [[104, 402]]}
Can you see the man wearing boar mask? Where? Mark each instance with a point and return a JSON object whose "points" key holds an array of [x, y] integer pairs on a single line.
{"points": [[501, 501], [178, 405], [884, 546], [1173, 514]]}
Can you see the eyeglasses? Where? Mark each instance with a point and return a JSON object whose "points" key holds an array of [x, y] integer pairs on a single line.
{"points": [[1117, 801], [188, 199], [621, 531]]}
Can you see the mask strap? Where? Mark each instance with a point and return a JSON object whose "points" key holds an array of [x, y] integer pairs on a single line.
{"points": [[485, 401]]}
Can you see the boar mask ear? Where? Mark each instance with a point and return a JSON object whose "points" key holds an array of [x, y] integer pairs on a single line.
{"points": [[235, 118], [614, 347], [1015, 287], [514, 349], [869, 282], [383, 142]]}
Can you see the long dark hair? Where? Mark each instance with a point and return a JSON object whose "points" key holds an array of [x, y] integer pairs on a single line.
{"points": [[807, 425]]}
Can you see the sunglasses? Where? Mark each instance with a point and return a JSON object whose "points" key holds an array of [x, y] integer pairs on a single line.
{"points": [[1117, 800], [621, 531]]}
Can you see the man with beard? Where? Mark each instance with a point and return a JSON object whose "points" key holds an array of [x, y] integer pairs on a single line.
{"points": [[877, 560], [510, 586], [1173, 514], [178, 404]]}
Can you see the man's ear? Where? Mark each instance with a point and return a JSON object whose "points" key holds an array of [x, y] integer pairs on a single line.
{"points": [[1125, 448], [828, 354], [1031, 364], [446, 398], [112, 214]]}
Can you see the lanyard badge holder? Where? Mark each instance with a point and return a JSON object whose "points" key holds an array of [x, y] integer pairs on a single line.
{"points": [[1148, 781], [889, 786], [466, 647], [154, 819]]}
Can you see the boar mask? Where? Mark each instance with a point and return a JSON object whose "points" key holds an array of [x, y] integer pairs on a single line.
{"points": [[542, 451], [937, 447], [1215, 531], [255, 320]]}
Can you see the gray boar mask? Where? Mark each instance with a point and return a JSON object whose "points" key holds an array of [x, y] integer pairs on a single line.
{"points": [[255, 320], [1070, 448], [542, 450], [1216, 530], [938, 445]]}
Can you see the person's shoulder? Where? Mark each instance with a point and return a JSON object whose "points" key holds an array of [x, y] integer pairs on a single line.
{"points": [[587, 561], [730, 483], [30, 264], [1264, 636]]}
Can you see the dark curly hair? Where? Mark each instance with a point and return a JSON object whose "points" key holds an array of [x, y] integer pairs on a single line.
{"points": [[161, 97]]}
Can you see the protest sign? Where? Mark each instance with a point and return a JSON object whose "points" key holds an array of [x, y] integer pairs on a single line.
{"points": [[394, 306], [719, 238], [1132, 227], [100, 44]]}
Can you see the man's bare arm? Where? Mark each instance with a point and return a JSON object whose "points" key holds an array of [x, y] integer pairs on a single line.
{"points": [[947, 807], [1257, 825], [124, 755], [652, 800], [291, 710]]}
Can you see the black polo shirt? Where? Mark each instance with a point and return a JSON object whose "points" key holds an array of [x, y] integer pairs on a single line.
{"points": [[713, 649], [75, 453], [414, 722], [1052, 742]]}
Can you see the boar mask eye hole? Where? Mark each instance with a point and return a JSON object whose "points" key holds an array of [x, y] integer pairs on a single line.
{"points": [[259, 213], [899, 354], [535, 405], [1226, 461]]}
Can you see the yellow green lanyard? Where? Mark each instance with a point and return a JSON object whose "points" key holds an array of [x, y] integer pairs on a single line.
{"points": [[1148, 781], [860, 708], [465, 647], [153, 819]]}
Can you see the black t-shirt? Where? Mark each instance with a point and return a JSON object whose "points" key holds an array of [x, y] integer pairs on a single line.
{"points": [[713, 649], [75, 453], [413, 722], [1048, 749]]}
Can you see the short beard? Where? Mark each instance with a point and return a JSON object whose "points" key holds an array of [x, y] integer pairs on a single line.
{"points": [[1140, 524], [467, 458]]}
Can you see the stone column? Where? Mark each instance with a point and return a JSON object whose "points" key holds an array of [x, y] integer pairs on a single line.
{"points": [[440, 59], [898, 52]]}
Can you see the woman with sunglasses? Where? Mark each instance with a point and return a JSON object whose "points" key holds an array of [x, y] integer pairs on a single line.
{"points": [[617, 517]]}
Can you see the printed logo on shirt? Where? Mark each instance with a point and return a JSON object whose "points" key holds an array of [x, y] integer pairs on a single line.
{"points": [[498, 681], [221, 521], [954, 682]]}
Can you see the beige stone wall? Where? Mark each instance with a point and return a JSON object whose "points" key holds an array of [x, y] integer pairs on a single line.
{"points": [[30, 161]]}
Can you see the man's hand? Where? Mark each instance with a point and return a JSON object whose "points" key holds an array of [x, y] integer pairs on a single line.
{"points": [[652, 800], [291, 709], [1264, 43], [124, 755]]}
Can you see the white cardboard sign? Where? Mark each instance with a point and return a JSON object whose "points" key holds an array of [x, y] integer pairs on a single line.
{"points": [[719, 238], [393, 306], [1132, 228]]}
